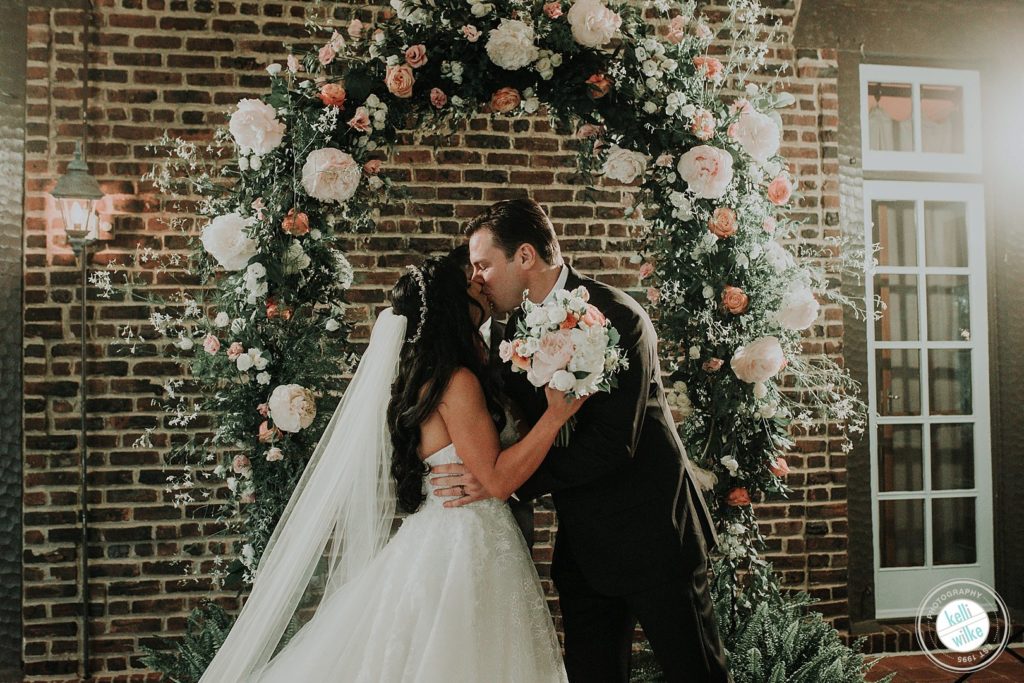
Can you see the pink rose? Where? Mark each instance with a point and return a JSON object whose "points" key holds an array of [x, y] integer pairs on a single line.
{"points": [[735, 300], [703, 126], [355, 28], [712, 365], [235, 350], [553, 9], [676, 29], [247, 498], [646, 270], [240, 464], [504, 101], [399, 80], [709, 66], [780, 190], [706, 170], [554, 353], [653, 295], [758, 361], [741, 106], [769, 225], [274, 454], [723, 222], [293, 64], [416, 56], [361, 120], [438, 98], [780, 468], [505, 350], [327, 54], [593, 317], [518, 359], [664, 161], [372, 167], [211, 344], [738, 496], [263, 409], [589, 130], [471, 33], [332, 94]]}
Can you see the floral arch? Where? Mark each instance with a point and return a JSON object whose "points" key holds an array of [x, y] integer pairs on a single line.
{"points": [[695, 139]]}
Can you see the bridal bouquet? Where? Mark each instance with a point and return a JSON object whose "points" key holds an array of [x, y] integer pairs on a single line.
{"points": [[567, 344]]}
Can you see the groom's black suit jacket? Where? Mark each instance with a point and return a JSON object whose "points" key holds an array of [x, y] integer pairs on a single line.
{"points": [[622, 489]]}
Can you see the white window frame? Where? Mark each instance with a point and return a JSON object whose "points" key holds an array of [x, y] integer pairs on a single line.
{"points": [[899, 590], [917, 160]]}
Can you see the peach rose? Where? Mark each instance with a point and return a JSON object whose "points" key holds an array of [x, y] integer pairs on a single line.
{"points": [[703, 126], [653, 295], [521, 361], [416, 56], [355, 28], [598, 86], [505, 100], [471, 33], [712, 365], [553, 9], [268, 434], [589, 130], [274, 454], [332, 95], [723, 222], [295, 223], [664, 161], [738, 496], [780, 468], [361, 120], [240, 464], [593, 317], [569, 322], [272, 307], [709, 66], [263, 409], [646, 270], [211, 344], [438, 98], [759, 360], [326, 54], [780, 190], [372, 167], [235, 350], [399, 80], [735, 300], [676, 29], [706, 170], [294, 64]]}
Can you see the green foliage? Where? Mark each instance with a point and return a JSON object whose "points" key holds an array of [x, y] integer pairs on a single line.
{"points": [[184, 660]]}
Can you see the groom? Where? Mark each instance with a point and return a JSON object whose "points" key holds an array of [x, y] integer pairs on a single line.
{"points": [[633, 529]]}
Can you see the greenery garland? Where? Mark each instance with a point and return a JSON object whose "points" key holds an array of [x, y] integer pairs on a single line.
{"points": [[693, 139]]}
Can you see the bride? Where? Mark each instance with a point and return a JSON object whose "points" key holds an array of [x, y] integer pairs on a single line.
{"points": [[453, 595]]}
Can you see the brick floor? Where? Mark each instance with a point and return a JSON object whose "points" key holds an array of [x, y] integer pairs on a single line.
{"points": [[918, 668]]}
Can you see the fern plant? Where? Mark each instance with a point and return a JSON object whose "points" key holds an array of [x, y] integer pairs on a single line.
{"points": [[183, 660]]}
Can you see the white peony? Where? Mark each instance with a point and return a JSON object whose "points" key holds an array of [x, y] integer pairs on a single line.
{"points": [[624, 165], [330, 175], [563, 380], [225, 240], [759, 360], [292, 407], [778, 256], [255, 127], [799, 308], [706, 170], [512, 45], [593, 24], [758, 134], [295, 259], [222, 319]]}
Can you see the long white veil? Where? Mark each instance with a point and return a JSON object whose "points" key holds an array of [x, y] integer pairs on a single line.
{"points": [[340, 513]]}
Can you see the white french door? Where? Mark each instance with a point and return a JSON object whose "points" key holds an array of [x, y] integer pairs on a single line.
{"points": [[931, 477]]}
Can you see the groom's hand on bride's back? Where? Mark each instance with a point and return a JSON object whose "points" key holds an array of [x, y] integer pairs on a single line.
{"points": [[457, 484]]}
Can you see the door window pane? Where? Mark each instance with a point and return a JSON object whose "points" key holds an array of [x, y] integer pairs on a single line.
{"points": [[898, 320], [949, 307], [952, 456], [900, 458], [901, 533], [890, 117], [953, 531], [894, 230], [949, 381], [898, 381], [945, 234], [942, 119]]}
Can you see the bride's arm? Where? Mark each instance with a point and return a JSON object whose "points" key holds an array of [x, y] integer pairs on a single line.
{"points": [[464, 411]]}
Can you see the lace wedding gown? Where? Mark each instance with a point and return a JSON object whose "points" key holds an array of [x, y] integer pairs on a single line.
{"points": [[453, 597]]}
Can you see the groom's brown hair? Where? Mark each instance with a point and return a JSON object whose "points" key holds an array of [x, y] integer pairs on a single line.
{"points": [[513, 222]]}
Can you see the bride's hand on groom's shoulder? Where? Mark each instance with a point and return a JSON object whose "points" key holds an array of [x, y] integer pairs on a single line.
{"points": [[457, 484]]}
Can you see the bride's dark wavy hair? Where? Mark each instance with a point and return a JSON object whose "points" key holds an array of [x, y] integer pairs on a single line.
{"points": [[449, 341]]}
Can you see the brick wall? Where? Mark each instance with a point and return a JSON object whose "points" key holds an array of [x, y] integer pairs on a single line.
{"points": [[161, 65]]}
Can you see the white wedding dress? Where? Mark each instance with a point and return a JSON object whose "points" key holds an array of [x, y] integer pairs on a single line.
{"points": [[453, 597]]}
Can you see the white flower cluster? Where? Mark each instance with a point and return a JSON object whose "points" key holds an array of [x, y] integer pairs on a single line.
{"points": [[547, 62], [512, 45], [453, 72], [679, 399], [294, 259], [254, 283]]}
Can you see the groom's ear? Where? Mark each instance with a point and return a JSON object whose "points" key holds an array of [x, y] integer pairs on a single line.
{"points": [[526, 256]]}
